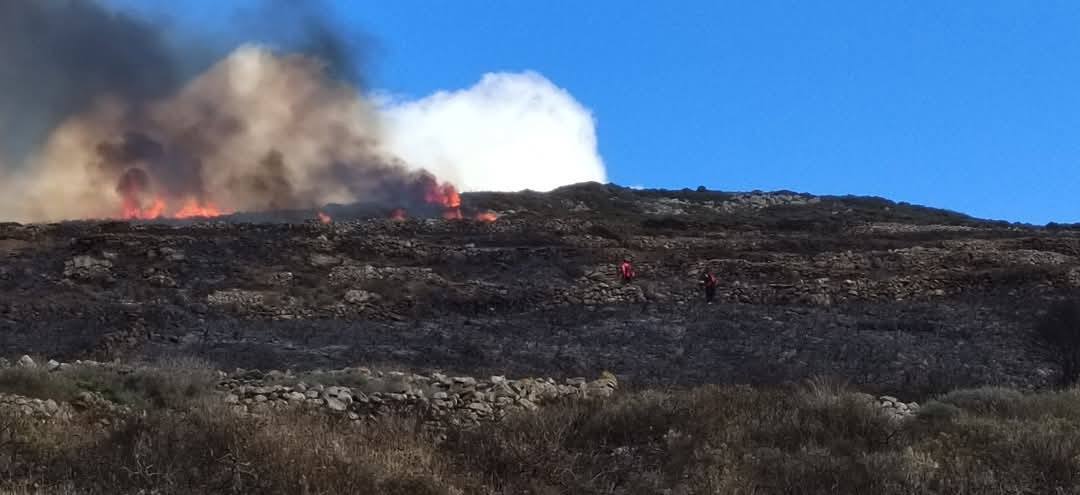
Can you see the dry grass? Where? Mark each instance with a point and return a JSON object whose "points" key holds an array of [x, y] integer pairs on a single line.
{"points": [[169, 383], [820, 438], [210, 450]]}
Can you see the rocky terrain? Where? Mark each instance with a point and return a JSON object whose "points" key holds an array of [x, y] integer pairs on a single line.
{"points": [[899, 299], [856, 346]]}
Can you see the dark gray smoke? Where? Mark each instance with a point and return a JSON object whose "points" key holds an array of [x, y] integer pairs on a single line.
{"points": [[58, 57], [111, 123], [305, 26]]}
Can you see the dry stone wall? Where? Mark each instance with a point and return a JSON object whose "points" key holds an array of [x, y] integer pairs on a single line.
{"points": [[458, 400], [439, 400]]}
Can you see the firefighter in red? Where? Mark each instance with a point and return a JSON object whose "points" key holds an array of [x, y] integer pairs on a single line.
{"points": [[626, 271], [708, 281]]}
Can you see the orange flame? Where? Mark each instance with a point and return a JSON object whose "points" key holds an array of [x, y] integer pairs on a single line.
{"points": [[487, 216], [445, 195], [324, 218], [136, 212], [156, 209], [192, 209], [398, 215]]}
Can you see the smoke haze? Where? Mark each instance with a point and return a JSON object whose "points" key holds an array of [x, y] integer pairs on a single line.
{"points": [[57, 57], [100, 117]]}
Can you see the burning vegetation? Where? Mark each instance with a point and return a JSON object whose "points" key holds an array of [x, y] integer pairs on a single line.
{"points": [[257, 131], [218, 147], [487, 216]]}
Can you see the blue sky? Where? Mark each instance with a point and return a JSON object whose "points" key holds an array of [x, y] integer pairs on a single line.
{"points": [[967, 105]]}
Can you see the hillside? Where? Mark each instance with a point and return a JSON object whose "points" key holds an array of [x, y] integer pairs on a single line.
{"points": [[432, 356], [899, 298]]}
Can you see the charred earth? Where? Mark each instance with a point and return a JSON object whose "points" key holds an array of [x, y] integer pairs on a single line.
{"points": [[892, 297]]}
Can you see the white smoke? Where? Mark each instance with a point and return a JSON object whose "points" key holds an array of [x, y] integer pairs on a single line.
{"points": [[510, 131]]}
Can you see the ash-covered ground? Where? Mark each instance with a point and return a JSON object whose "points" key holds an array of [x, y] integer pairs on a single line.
{"points": [[889, 296]]}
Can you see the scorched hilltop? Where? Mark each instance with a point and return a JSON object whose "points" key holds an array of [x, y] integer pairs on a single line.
{"points": [[891, 296]]}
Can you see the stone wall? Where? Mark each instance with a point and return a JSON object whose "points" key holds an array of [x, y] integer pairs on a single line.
{"points": [[34, 408], [438, 399], [459, 400]]}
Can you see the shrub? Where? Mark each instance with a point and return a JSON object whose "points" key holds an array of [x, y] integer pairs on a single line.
{"points": [[208, 449], [823, 390], [1059, 330], [822, 438], [999, 401], [36, 382], [172, 383], [935, 411]]}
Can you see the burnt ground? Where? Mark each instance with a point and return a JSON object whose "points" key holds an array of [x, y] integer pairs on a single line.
{"points": [[890, 296]]}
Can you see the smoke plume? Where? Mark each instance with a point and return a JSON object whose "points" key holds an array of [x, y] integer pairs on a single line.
{"points": [[257, 131], [511, 131], [100, 119], [57, 57]]}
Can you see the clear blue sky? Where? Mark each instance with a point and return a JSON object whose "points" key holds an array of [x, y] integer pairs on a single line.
{"points": [[967, 105]]}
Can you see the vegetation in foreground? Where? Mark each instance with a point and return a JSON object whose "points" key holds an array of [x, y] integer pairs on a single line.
{"points": [[817, 438]]}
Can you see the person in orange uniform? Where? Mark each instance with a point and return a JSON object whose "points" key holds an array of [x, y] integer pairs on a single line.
{"points": [[626, 271], [709, 283]]}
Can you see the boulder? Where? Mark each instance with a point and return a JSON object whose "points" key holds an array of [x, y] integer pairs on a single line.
{"points": [[85, 267], [480, 407], [360, 297], [320, 260], [335, 404]]}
